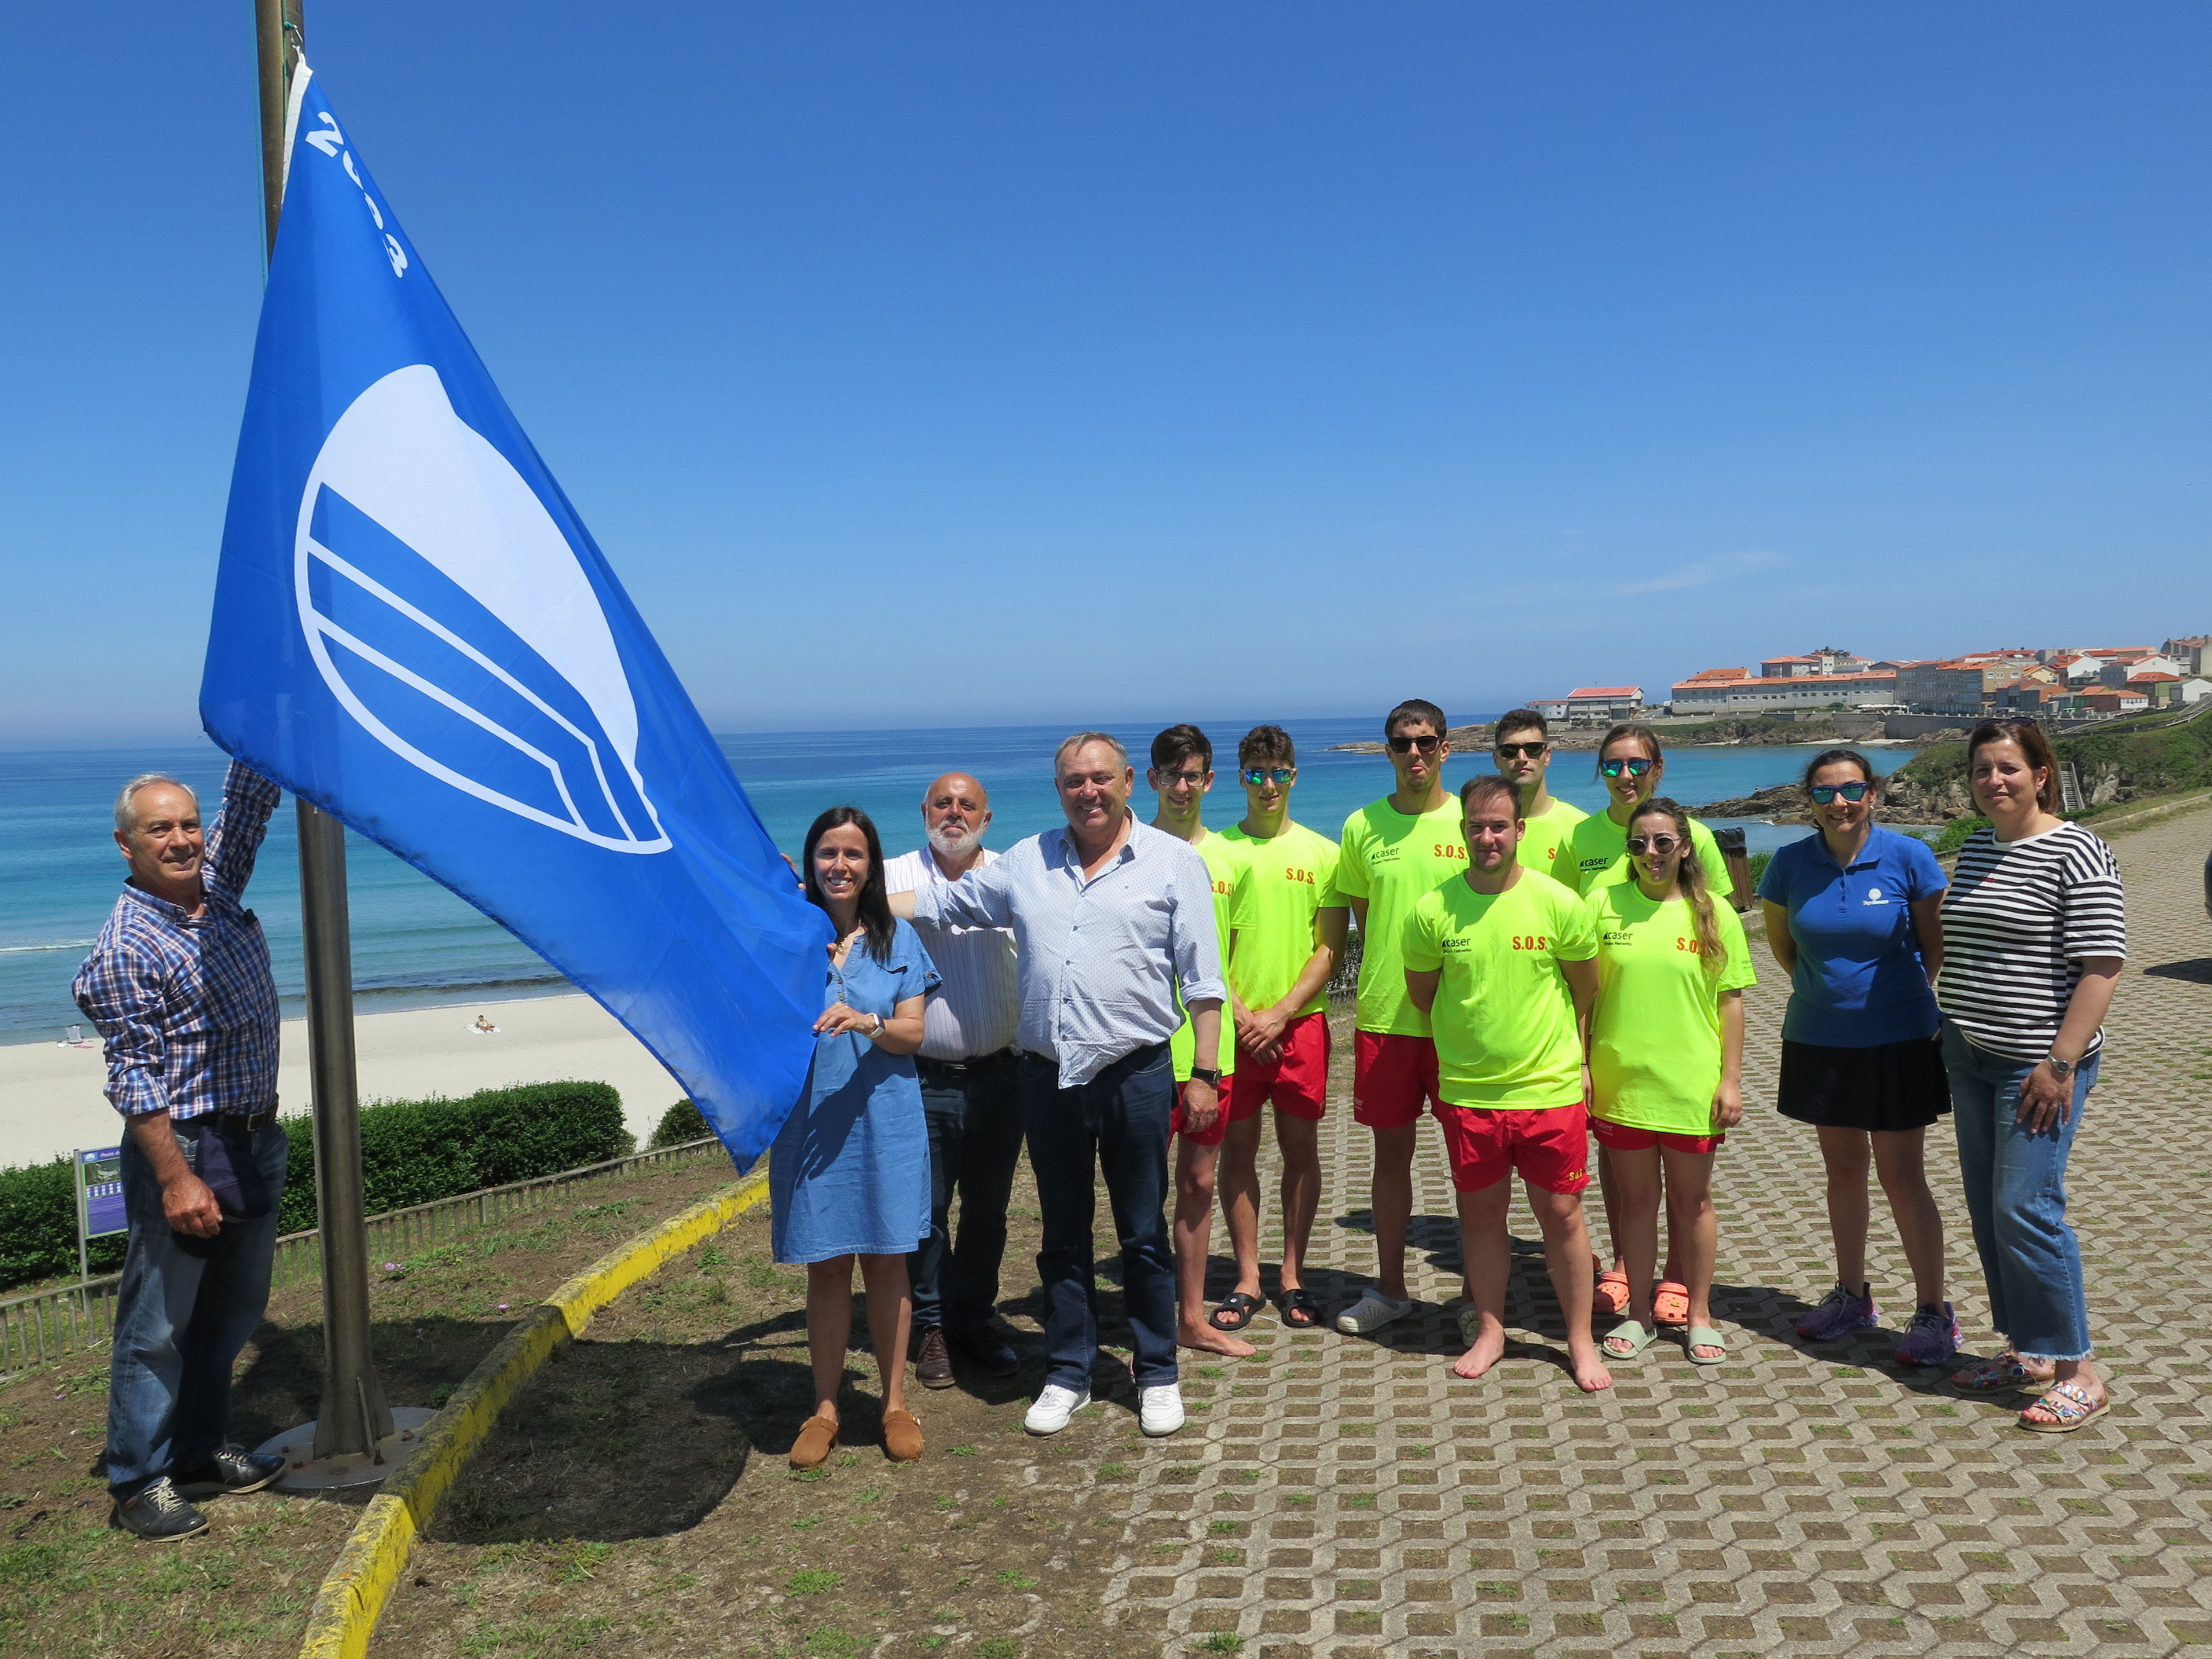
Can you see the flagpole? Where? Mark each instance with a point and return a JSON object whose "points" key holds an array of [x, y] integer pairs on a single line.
{"points": [[354, 1417]]}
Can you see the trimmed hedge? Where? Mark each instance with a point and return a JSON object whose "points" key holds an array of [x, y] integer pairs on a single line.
{"points": [[412, 1151], [681, 1123]]}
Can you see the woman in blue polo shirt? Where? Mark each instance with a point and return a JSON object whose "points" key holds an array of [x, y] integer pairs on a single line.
{"points": [[1852, 918]]}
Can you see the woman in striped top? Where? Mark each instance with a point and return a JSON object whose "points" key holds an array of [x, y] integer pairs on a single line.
{"points": [[2034, 933]]}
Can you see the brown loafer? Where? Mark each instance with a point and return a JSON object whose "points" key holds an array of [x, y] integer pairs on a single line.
{"points": [[901, 1437], [817, 1439]]}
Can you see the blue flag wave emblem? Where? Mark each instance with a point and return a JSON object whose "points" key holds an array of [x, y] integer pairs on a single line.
{"points": [[413, 629]]}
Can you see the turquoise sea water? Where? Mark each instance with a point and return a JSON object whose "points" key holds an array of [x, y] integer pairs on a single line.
{"points": [[416, 944]]}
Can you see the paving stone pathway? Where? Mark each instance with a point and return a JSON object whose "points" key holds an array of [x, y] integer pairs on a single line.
{"points": [[1350, 1499]]}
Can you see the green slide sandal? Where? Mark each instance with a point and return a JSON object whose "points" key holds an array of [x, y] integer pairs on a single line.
{"points": [[1704, 1336], [1628, 1341]]}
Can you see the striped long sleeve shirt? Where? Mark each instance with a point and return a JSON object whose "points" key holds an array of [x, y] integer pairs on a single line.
{"points": [[186, 1004], [2018, 920]]}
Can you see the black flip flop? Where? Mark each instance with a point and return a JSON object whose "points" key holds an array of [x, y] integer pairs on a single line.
{"points": [[1239, 1306], [1299, 1310]]}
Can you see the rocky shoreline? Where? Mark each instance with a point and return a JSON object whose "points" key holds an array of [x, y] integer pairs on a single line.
{"points": [[1703, 734], [1789, 803]]}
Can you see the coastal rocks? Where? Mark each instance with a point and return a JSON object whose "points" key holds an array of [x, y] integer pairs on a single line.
{"points": [[1909, 798], [1787, 803]]}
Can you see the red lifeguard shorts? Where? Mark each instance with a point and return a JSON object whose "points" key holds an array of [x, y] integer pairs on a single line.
{"points": [[1622, 1139], [1296, 1082], [1549, 1148], [1213, 1135], [1393, 1078]]}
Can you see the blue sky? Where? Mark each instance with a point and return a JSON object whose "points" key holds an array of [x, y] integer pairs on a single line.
{"points": [[920, 365]]}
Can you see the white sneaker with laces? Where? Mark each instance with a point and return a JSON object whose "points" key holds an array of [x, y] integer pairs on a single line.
{"points": [[1159, 1408], [1050, 1413], [1371, 1313]]}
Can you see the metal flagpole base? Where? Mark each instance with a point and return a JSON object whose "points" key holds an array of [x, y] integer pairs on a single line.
{"points": [[304, 1471]]}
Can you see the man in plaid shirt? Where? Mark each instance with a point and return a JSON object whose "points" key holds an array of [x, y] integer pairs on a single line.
{"points": [[179, 986]]}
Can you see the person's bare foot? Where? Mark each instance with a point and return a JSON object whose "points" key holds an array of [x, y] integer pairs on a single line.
{"points": [[1205, 1339], [1489, 1348], [1588, 1368]]}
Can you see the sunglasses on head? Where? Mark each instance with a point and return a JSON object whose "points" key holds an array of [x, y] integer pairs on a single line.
{"points": [[1635, 769], [1426, 745], [1662, 845], [1825, 792], [1256, 776], [1525, 751]]}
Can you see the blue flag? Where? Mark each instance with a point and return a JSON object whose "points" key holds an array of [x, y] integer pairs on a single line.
{"points": [[413, 631]]}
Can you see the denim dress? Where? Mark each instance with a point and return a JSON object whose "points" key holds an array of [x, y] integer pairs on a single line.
{"points": [[849, 1172]]}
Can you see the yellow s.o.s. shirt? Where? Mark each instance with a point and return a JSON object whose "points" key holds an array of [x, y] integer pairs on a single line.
{"points": [[1503, 1017], [1390, 859]]}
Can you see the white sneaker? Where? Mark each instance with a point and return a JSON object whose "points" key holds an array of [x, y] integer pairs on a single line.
{"points": [[1159, 1408], [1371, 1313], [1053, 1408]]}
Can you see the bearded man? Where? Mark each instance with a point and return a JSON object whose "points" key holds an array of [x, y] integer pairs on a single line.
{"points": [[970, 1096]]}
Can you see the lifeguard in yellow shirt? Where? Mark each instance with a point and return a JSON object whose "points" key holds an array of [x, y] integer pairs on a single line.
{"points": [[1279, 978], [1521, 748]]}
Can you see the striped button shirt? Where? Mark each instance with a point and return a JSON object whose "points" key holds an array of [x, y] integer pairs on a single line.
{"points": [[186, 1004], [1100, 959], [2019, 918], [980, 1004]]}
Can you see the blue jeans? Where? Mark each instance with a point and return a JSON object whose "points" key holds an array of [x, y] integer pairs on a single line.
{"points": [[181, 1321], [975, 1120], [2015, 1186], [1116, 1125]]}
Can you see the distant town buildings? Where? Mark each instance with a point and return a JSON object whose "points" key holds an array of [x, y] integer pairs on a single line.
{"points": [[2048, 682], [1594, 703]]}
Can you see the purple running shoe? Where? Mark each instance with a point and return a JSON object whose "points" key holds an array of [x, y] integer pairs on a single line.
{"points": [[1931, 1339], [1842, 1313]]}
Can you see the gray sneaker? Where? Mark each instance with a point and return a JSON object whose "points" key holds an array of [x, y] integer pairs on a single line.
{"points": [[158, 1515]]}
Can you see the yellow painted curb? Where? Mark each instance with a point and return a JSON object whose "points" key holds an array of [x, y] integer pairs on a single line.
{"points": [[368, 1568]]}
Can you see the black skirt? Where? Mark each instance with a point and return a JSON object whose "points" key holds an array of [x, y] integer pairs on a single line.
{"points": [[1893, 1085]]}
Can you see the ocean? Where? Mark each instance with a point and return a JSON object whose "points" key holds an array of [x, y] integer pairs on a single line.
{"points": [[416, 945]]}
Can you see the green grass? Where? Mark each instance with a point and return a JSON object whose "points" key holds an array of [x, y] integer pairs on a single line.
{"points": [[813, 1581]]}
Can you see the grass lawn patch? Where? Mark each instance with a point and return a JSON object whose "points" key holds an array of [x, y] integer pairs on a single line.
{"points": [[73, 1588]]}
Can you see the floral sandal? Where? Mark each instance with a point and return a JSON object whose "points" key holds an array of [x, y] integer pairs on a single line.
{"points": [[2067, 1406], [2004, 1375]]}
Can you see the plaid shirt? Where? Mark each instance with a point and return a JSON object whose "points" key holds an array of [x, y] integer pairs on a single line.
{"points": [[187, 1004]]}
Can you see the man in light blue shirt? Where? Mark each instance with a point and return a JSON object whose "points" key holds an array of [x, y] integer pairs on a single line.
{"points": [[1110, 917]]}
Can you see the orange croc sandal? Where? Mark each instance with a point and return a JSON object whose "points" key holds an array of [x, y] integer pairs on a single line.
{"points": [[1670, 1303], [1612, 1292]]}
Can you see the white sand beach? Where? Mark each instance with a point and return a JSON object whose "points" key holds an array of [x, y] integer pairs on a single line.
{"points": [[51, 1099]]}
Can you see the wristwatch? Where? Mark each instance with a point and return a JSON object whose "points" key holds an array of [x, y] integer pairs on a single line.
{"points": [[2062, 1069], [1205, 1074], [879, 1031]]}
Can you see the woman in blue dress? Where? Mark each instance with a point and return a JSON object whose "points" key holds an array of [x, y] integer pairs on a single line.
{"points": [[848, 1175]]}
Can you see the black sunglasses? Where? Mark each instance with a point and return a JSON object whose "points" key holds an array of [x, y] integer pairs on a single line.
{"points": [[1825, 792], [1426, 745], [1525, 751]]}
